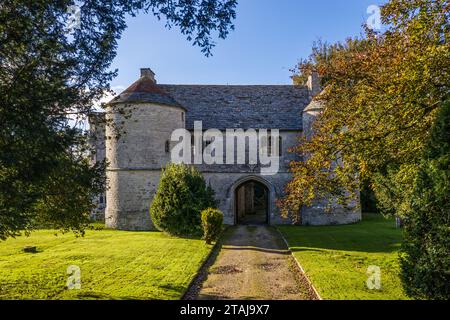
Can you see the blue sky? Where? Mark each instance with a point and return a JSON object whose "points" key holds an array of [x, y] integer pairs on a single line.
{"points": [[269, 38]]}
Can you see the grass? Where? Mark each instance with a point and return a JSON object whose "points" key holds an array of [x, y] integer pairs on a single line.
{"points": [[336, 258], [114, 265]]}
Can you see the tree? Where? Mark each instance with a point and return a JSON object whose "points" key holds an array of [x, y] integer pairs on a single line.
{"points": [[382, 93], [181, 197], [425, 261], [50, 78]]}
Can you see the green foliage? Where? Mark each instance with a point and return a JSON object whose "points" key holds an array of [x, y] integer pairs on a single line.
{"points": [[380, 98], [368, 199], [49, 81], [181, 196], [426, 262], [212, 220], [394, 187]]}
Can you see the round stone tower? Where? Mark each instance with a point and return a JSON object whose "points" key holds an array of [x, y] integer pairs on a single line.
{"points": [[317, 213], [140, 122]]}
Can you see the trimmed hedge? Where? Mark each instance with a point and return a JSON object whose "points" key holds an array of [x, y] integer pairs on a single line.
{"points": [[181, 196], [212, 220]]}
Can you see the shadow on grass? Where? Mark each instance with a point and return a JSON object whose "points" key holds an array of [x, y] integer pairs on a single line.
{"points": [[93, 296], [103, 296], [373, 234]]}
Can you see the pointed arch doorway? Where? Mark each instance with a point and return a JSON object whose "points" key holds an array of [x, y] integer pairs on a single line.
{"points": [[251, 203]]}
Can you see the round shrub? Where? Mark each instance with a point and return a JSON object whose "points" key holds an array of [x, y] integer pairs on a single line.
{"points": [[181, 196], [212, 220]]}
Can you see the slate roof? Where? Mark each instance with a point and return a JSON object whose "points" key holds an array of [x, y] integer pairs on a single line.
{"points": [[226, 106], [242, 106]]}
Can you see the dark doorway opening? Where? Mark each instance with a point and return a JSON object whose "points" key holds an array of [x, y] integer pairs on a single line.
{"points": [[252, 203]]}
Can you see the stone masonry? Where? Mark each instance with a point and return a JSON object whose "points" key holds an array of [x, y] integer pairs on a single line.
{"points": [[154, 111]]}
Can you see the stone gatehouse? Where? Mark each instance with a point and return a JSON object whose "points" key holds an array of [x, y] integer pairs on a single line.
{"points": [[156, 110]]}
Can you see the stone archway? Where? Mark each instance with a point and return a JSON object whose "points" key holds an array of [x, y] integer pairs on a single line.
{"points": [[253, 200], [252, 203]]}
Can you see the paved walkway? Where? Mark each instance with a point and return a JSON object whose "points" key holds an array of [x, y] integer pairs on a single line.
{"points": [[254, 263]]}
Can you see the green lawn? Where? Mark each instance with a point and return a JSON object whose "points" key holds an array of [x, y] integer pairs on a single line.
{"points": [[336, 258], [113, 264]]}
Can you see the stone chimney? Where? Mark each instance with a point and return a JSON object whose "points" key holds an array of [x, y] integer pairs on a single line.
{"points": [[313, 84], [148, 73]]}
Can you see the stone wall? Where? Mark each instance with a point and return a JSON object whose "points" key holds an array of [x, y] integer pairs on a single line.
{"points": [[289, 139], [224, 179], [316, 216], [225, 184], [129, 198], [142, 144], [137, 157], [135, 161]]}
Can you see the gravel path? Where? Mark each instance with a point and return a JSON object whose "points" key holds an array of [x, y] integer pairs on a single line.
{"points": [[253, 263]]}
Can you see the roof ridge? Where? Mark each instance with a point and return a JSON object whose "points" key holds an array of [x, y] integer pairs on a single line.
{"points": [[233, 85]]}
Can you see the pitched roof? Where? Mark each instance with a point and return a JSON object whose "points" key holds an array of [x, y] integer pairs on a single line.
{"points": [[241, 106]]}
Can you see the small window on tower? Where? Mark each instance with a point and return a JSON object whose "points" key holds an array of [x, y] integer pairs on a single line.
{"points": [[167, 146], [182, 116]]}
